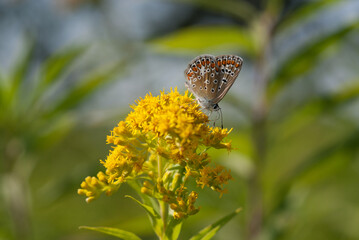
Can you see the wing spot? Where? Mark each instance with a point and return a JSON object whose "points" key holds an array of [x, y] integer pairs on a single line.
{"points": [[215, 81], [207, 82], [200, 88], [205, 88], [193, 85], [224, 81], [232, 74], [212, 74], [212, 90]]}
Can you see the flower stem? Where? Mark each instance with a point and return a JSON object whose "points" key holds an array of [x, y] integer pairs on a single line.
{"points": [[164, 215], [162, 204], [259, 123]]}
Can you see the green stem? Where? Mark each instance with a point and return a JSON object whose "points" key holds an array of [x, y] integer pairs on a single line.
{"points": [[259, 123], [163, 205], [164, 215]]}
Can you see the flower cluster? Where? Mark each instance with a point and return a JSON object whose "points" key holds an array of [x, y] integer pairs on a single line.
{"points": [[162, 143]]}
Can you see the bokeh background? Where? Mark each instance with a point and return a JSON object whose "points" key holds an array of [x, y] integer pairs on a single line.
{"points": [[69, 69]]}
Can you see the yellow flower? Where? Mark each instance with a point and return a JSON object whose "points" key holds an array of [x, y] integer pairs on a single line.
{"points": [[162, 141]]}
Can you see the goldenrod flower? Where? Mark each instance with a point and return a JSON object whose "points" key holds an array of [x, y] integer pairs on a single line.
{"points": [[161, 144]]}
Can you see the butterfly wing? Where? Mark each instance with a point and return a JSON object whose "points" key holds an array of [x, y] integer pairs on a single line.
{"points": [[200, 77], [209, 78], [229, 66]]}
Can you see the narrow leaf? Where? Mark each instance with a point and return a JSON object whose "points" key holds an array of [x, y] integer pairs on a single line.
{"points": [[114, 232], [57, 65], [305, 113], [174, 228], [349, 144], [208, 232], [155, 218], [52, 70], [241, 10], [86, 87], [145, 198], [202, 39], [308, 9], [305, 59], [20, 71]]}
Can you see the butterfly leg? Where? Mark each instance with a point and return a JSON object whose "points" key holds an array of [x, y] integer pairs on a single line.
{"points": [[220, 116], [220, 111]]}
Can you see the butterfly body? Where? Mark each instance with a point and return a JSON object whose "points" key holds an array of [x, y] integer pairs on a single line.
{"points": [[209, 78]]}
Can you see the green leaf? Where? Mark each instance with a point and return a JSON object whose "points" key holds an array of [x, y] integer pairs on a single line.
{"points": [[347, 144], [114, 232], [241, 10], [307, 10], [155, 218], [208, 232], [206, 38], [305, 59], [57, 65], [52, 70], [145, 198], [85, 88], [350, 142], [305, 113], [9, 93], [20, 71], [174, 228]]}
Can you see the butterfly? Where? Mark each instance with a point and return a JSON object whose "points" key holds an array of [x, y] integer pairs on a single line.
{"points": [[209, 78]]}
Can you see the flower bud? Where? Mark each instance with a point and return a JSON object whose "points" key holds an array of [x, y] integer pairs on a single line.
{"points": [[147, 184], [146, 191], [176, 181]]}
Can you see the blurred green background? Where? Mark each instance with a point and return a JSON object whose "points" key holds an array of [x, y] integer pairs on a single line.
{"points": [[70, 68]]}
